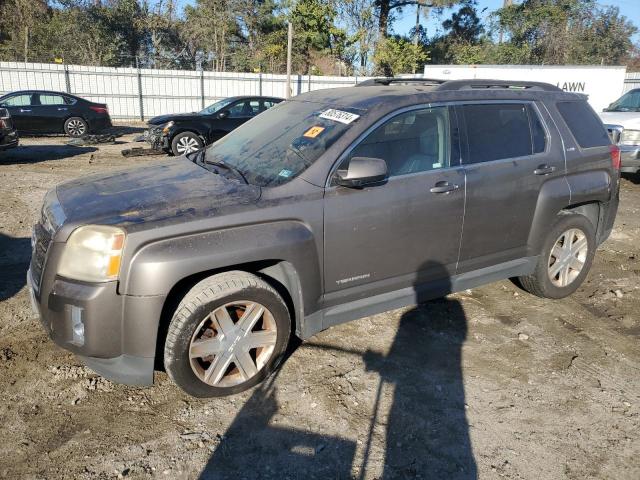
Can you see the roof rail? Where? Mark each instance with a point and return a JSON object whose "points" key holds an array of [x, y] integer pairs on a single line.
{"points": [[399, 81], [497, 84]]}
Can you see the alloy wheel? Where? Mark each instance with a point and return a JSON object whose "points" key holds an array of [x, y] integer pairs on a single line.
{"points": [[187, 145], [76, 128], [567, 257], [233, 343]]}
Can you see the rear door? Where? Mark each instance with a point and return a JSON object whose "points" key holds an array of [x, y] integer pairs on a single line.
{"points": [[21, 110], [49, 112], [403, 232], [509, 155]]}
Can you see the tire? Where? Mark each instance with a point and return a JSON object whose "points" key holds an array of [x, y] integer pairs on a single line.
{"points": [[544, 281], [200, 327], [186, 142], [76, 127]]}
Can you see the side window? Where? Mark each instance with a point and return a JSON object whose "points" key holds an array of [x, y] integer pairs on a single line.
{"points": [[538, 135], [17, 101], [240, 110], [497, 131], [584, 124], [48, 99], [411, 142]]}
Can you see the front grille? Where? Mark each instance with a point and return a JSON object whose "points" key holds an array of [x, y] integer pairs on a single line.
{"points": [[40, 245]]}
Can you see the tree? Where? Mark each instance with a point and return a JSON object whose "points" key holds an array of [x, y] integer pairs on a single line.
{"points": [[360, 18], [399, 55], [564, 32]]}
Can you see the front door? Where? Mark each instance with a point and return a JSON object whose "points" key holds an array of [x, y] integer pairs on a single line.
{"points": [[404, 232], [509, 156], [21, 110]]}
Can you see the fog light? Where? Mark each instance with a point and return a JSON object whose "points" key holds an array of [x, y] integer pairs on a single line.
{"points": [[77, 326]]}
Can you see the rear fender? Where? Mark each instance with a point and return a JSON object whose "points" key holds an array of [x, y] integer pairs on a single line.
{"points": [[553, 197]]}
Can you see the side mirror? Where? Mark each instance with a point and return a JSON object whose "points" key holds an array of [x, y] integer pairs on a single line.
{"points": [[4, 114], [223, 114], [363, 171]]}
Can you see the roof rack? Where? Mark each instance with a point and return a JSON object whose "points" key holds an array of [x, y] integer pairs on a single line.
{"points": [[469, 84], [497, 84], [399, 81]]}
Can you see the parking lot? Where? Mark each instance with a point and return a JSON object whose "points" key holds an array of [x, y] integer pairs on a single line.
{"points": [[506, 385]]}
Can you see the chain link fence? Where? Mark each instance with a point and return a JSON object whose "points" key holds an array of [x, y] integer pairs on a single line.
{"points": [[133, 93]]}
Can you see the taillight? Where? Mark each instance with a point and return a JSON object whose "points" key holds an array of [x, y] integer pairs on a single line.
{"points": [[3, 123], [616, 162], [97, 109]]}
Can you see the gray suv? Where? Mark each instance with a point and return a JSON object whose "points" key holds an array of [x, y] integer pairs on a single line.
{"points": [[331, 206]]}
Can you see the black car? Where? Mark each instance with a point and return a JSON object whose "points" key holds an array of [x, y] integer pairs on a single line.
{"points": [[41, 111], [187, 132], [8, 134]]}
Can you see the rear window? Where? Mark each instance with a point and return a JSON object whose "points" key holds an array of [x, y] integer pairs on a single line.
{"points": [[496, 131], [584, 124]]}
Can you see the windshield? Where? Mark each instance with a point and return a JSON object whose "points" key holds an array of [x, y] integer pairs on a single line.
{"points": [[214, 107], [279, 144], [629, 102]]}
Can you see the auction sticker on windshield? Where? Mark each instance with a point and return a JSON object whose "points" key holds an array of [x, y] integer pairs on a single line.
{"points": [[339, 116]]}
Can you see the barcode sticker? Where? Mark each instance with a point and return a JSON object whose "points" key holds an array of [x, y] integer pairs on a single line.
{"points": [[339, 116]]}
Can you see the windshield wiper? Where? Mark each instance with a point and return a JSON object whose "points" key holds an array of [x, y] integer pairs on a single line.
{"points": [[199, 158]]}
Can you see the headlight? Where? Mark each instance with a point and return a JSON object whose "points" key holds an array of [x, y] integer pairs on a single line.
{"points": [[166, 128], [630, 137], [93, 254]]}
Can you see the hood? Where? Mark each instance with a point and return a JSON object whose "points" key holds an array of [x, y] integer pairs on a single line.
{"points": [[629, 120], [176, 117], [159, 191]]}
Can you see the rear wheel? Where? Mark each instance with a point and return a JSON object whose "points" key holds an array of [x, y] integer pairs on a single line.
{"points": [[186, 142], [76, 127], [227, 335], [565, 259]]}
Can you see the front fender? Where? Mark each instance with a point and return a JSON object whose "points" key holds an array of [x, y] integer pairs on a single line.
{"points": [[156, 267]]}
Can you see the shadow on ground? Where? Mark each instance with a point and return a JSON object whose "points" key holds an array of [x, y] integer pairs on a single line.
{"points": [[427, 434], [632, 177], [26, 154], [14, 263]]}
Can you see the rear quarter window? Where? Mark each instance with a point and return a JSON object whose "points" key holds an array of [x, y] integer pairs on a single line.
{"points": [[584, 124]]}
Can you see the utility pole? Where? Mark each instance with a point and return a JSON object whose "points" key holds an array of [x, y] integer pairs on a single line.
{"points": [[289, 47], [26, 43]]}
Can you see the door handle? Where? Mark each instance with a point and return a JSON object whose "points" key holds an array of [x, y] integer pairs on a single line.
{"points": [[544, 170], [443, 187], [22, 110], [62, 109]]}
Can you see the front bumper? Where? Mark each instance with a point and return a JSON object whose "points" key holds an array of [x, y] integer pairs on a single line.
{"points": [[113, 334], [630, 157], [154, 137], [9, 140]]}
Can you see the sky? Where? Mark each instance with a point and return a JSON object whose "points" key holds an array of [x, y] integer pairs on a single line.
{"points": [[406, 20]]}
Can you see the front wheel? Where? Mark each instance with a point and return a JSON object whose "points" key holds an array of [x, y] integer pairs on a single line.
{"points": [[186, 142], [565, 259], [227, 335]]}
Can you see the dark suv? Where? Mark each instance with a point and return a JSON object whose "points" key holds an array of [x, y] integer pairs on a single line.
{"points": [[332, 206]]}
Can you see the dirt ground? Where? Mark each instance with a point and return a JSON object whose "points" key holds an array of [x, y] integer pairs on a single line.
{"points": [[492, 382]]}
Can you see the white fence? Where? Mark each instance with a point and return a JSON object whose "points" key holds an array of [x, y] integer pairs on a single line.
{"points": [[140, 93], [632, 81]]}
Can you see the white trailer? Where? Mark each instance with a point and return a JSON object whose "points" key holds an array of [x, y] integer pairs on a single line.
{"points": [[602, 84]]}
